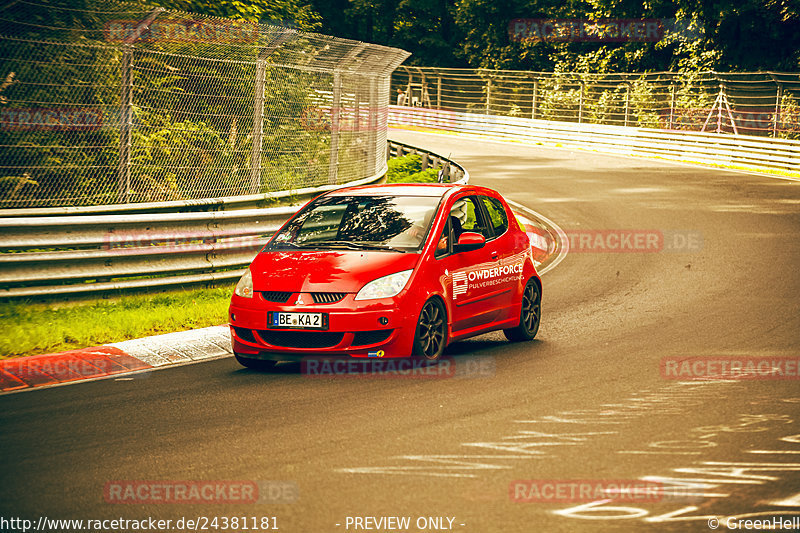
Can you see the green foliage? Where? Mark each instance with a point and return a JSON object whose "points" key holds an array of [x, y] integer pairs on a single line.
{"points": [[192, 109], [287, 12], [608, 105], [789, 121], [559, 102], [40, 82], [722, 36], [644, 103], [408, 169]]}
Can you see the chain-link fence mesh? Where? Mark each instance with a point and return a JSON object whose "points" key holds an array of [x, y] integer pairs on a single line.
{"points": [[104, 103], [751, 103]]}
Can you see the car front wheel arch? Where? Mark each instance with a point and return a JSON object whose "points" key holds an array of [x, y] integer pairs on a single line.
{"points": [[431, 331]]}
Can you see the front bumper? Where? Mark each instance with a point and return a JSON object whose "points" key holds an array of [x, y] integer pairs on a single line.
{"points": [[371, 328]]}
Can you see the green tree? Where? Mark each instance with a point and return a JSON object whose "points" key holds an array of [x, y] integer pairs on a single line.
{"points": [[700, 34], [290, 12]]}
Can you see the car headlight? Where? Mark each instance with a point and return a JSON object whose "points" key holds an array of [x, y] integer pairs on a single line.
{"points": [[384, 287], [245, 286]]}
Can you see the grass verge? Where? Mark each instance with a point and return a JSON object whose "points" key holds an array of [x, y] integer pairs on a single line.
{"points": [[36, 328]]}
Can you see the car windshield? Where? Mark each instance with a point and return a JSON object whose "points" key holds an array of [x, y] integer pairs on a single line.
{"points": [[394, 223]]}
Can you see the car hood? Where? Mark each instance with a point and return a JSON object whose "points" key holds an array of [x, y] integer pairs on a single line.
{"points": [[325, 271]]}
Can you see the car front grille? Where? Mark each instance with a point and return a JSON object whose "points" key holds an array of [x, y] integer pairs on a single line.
{"points": [[365, 338], [279, 297], [301, 339], [327, 297]]}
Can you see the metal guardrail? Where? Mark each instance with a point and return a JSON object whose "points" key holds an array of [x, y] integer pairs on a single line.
{"points": [[452, 171], [226, 203], [69, 251], [745, 150]]}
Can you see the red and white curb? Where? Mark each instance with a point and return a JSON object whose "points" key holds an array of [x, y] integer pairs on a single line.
{"points": [[548, 241], [126, 357], [119, 358]]}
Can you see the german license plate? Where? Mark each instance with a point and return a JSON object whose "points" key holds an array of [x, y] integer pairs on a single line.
{"points": [[279, 319]]}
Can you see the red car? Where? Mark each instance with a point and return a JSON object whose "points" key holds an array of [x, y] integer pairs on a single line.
{"points": [[387, 271]]}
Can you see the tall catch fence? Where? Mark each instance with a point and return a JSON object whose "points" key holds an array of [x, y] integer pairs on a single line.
{"points": [[109, 103], [749, 103]]}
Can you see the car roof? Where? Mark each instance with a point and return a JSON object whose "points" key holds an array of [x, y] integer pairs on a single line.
{"points": [[401, 189]]}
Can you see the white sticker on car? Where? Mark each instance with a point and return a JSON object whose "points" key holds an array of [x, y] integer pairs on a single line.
{"points": [[483, 277], [460, 284]]}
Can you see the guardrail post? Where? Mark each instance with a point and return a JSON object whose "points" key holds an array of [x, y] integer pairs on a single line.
{"points": [[777, 114], [439, 93], [357, 110], [258, 127], [423, 91], [333, 167], [488, 96], [126, 106], [672, 90], [535, 96], [627, 102], [125, 125], [372, 134], [580, 105]]}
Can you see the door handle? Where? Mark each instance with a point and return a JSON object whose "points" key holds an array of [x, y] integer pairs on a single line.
{"points": [[495, 255]]}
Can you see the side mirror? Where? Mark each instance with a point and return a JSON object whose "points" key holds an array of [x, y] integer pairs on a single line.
{"points": [[469, 241]]}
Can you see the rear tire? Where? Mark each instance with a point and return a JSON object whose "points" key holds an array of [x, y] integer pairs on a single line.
{"points": [[430, 337], [261, 365], [529, 315]]}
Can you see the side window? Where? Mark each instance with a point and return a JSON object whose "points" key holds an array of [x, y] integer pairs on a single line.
{"points": [[443, 244], [497, 214], [468, 217]]}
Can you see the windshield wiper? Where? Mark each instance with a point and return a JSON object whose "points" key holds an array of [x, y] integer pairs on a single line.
{"points": [[291, 244], [362, 246]]}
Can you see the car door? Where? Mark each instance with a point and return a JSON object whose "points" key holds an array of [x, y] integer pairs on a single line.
{"points": [[509, 260], [467, 274]]}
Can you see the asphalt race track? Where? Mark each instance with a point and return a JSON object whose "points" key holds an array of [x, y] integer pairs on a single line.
{"points": [[499, 445]]}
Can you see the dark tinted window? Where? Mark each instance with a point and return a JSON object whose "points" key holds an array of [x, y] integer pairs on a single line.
{"points": [[392, 222], [469, 217], [497, 214]]}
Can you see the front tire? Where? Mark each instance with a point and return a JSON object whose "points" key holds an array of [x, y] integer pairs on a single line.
{"points": [[529, 315], [261, 365], [430, 337]]}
